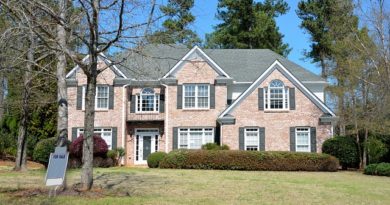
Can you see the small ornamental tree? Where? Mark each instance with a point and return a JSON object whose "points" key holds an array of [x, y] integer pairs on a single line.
{"points": [[100, 147]]}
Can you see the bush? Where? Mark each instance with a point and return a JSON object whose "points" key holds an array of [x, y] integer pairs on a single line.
{"points": [[113, 154], [43, 149], [100, 147], [376, 149], [343, 148], [155, 158], [214, 146], [249, 160], [381, 169]]}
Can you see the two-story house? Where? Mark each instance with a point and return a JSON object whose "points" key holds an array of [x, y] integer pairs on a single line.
{"points": [[170, 97]]}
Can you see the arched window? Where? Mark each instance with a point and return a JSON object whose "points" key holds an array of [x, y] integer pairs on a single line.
{"points": [[276, 96], [147, 101]]}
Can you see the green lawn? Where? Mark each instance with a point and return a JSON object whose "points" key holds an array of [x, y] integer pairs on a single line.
{"points": [[155, 186]]}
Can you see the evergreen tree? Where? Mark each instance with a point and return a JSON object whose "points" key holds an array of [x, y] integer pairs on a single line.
{"points": [[315, 15], [249, 24], [176, 26]]}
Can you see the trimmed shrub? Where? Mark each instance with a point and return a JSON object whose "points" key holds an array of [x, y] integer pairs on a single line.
{"points": [[100, 147], [43, 149], [344, 149], [249, 160], [381, 169], [155, 158], [214, 146]]}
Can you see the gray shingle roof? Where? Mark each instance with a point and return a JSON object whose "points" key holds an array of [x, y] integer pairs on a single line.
{"points": [[243, 65]]}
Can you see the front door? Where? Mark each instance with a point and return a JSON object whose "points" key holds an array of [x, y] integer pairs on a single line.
{"points": [[146, 142]]}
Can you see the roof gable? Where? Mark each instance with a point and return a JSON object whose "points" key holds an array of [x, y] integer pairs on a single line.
{"points": [[278, 66], [103, 58], [194, 53]]}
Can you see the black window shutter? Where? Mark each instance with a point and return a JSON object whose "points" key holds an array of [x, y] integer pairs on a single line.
{"points": [[175, 138], [162, 103], [292, 98], [217, 135], [179, 97], [114, 137], [74, 133], [313, 139], [262, 138], [241, 138], [111, 97], [212, 96], [79, 97], [132, 104], [292, 139], [261, 98]]}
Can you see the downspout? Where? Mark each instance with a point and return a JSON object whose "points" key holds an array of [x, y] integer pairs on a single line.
{"points": [[124, 120], [220, 134], [166, 117]]}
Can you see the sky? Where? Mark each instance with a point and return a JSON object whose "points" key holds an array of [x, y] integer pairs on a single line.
{"points": [[205, 10]]}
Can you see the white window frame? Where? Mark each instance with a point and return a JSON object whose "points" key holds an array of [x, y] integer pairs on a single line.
{"points": [[100, 131], [84, 92], [196, 107], [285, 98], [188, 131], [305, 130], [251, 131], [156, 102]]}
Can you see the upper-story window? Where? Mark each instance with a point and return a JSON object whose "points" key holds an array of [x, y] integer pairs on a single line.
{"points": [[147, 101], [196, 96], [276, 96], [101, 97]]}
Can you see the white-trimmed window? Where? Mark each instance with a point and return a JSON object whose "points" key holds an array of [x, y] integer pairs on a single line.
{"points": [[276, 96], [105, 133], [101, 97], [194, 138], [302, 139], [147, 101], [252, 140], [196, 96]]}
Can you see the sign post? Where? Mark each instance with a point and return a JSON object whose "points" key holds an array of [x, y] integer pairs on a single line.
{"points": [[55, 175]]}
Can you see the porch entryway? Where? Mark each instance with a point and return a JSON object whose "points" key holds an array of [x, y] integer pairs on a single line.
{"points": [[146, 142]]}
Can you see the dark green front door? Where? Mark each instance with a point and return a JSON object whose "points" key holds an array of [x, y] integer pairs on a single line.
{"points": [[147, 147]]}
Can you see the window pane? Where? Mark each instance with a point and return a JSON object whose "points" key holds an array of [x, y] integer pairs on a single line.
{"points": [[209, 137], [195, 140], [147, 102], [203, 102], [183, 143], [189, 102], [189, 90], [203, 90]]}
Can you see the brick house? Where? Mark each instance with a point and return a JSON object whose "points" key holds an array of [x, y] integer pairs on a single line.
{"points": [[171, 97]]}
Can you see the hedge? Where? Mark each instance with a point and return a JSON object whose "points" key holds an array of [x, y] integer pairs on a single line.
{"points": [[381, 169], [214, 146], [249, 160]]}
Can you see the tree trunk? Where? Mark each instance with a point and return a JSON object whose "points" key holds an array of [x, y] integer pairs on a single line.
{"points": [[354, 105], [62, 120], [2, 87], [365, 148], [21, 158], [341, 114], [87, 171]]}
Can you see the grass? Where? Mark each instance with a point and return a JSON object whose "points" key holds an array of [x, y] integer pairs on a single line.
{"points": [[164, 186]]}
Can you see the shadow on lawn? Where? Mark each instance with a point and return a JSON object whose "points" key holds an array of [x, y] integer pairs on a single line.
{"points": [[119, 184]]}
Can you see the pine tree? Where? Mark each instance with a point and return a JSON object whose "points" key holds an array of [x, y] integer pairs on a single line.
{"points": [[249, 24], [315, 15], [176, 27]]}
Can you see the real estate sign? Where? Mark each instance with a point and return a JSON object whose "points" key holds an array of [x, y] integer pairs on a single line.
{"points": [[58, 162]]}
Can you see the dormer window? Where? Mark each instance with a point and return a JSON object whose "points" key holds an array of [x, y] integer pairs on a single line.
{"points": [[276, 96], [147, 101]]}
